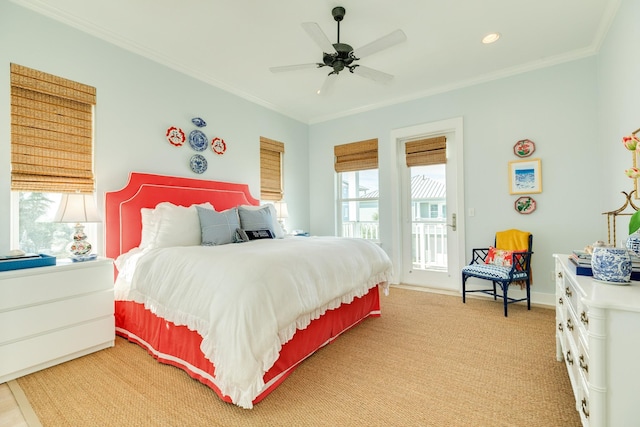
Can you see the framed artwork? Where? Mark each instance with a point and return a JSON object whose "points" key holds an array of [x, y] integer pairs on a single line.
{"points": [[525, 176]]}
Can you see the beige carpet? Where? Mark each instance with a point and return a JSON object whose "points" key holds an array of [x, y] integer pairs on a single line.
{"points": [[428, 361]]}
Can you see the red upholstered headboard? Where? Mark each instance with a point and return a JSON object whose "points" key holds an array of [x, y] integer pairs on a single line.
{"points": [[122, 208]]}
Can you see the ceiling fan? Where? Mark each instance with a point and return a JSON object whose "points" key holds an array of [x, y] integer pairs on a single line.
{"points": [[339, 56]]}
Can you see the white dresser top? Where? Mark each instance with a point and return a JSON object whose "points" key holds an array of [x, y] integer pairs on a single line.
{"points": [[603, 295]]}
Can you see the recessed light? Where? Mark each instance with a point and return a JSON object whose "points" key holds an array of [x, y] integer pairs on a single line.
{"points": [[490, 38]]}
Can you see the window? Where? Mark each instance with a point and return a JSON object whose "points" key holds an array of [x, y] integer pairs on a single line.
{"points": [[271, 183], [51, 153], [358, 191]]}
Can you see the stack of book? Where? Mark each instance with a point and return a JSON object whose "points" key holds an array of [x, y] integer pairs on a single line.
{"points": [[582, 260]]}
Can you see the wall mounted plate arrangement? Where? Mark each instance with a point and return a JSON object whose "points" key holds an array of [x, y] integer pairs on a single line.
{"points": [[525, 205], [524, 148]]}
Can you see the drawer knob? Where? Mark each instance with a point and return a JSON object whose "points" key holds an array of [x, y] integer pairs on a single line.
{"points": [[584, 318], [585, 407], [560, 328], [582, 364], [569, 358], [569, 325], [560, 301], [560, 274], [567, 292]]}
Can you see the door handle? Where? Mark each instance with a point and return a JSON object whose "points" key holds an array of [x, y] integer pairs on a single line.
{"points": [[453, 222]]}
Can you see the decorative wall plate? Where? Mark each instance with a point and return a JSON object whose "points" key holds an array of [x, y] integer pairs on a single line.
{"points": [[198, 122], [525, 205], [524, 148], [198, 163], [198, 140], [175, 136], [218, 146]]}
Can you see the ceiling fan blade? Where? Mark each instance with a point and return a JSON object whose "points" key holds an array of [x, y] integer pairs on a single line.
{"points": [[370, 73], [328, 84], [293, 67], [318, 36], [391, 39]]}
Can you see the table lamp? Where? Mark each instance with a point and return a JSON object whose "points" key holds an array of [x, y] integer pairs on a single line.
{"points": [[78, 208], [282, 213]]}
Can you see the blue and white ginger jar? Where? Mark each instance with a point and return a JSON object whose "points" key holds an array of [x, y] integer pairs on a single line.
{"points": [[611, 264], [633, 243]]}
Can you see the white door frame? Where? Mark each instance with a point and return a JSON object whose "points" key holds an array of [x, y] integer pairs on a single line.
{"points": [[454, 125]]}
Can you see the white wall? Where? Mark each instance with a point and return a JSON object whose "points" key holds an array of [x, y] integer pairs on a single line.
{"points": [[137, 100], [555, 107], [619, 102]]}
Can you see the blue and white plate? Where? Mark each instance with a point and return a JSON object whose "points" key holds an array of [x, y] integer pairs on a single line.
{"points": [[198, 163], [198, 140], [198, 122]]}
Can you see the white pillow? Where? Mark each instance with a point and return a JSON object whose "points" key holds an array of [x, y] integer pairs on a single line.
{"points": [[172, 225], [275, 226], [149, 227]]}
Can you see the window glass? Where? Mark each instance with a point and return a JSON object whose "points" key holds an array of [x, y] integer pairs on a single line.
{"points": [[36, 231], [358, 204]]}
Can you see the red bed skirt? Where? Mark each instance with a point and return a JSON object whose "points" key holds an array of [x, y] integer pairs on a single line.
{"points": [[180, 347]]}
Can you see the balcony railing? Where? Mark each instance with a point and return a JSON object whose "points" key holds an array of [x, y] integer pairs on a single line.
{"points": [[362, 229], [429, 245], [429, 241]]}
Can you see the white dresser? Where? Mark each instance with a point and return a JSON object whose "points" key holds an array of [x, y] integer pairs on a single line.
{"points": [[598, 337], [49, 315]]}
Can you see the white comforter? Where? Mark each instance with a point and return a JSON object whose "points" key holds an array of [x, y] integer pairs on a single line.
{"points": [[248, 299]]}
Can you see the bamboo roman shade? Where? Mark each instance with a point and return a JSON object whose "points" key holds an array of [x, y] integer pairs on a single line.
{"points": [[424, 152], [51, 133], [271, 152], [356, 156]]}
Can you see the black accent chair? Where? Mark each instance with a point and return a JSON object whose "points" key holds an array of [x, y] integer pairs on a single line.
{"points": [[518, 272]]}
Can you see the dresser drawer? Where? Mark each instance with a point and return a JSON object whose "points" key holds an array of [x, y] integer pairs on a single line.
{"points": [[571, 294], [39, 319], [26, 356], [24, 288], [583, 360]]}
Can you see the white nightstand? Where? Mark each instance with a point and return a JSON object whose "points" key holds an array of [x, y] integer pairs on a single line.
{"points": [[49, 315]]}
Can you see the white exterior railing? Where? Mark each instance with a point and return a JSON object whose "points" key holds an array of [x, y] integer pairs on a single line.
{"points": [[361, 229], [429, 245], [429, 241]]}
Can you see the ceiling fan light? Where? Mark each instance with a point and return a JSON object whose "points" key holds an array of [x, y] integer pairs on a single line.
{"points": [[491, 38]]}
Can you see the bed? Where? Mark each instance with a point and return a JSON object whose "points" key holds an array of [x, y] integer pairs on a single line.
{"points": [[257, 309]]}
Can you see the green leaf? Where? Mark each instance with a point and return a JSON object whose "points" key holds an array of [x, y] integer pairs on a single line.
{"points": [[634, 223]]}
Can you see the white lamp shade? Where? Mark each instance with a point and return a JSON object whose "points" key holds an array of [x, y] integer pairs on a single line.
{"points": [[76, 207], [281, 210]]}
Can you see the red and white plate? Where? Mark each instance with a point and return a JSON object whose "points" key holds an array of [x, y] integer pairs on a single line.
{"points": [[218, 146], [175, 136]]}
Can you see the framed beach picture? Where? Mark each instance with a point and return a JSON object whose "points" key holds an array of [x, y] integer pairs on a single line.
{"points": [[525, 176]]}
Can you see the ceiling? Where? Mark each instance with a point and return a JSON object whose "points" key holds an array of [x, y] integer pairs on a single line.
{"points": [[232, 44]]}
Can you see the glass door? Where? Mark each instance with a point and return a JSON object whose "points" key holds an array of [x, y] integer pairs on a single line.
{"points": [[432, 232]]}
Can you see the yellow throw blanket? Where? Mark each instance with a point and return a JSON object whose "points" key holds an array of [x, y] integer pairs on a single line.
{"points": [[514, 240]]}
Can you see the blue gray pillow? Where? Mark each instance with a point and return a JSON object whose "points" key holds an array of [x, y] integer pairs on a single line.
{"points": [[255, 219], [218, 228]]}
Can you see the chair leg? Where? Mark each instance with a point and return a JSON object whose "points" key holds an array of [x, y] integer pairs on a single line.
{"points": [[464, 289], [505, 301], [528, 295], [495, 297]]}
